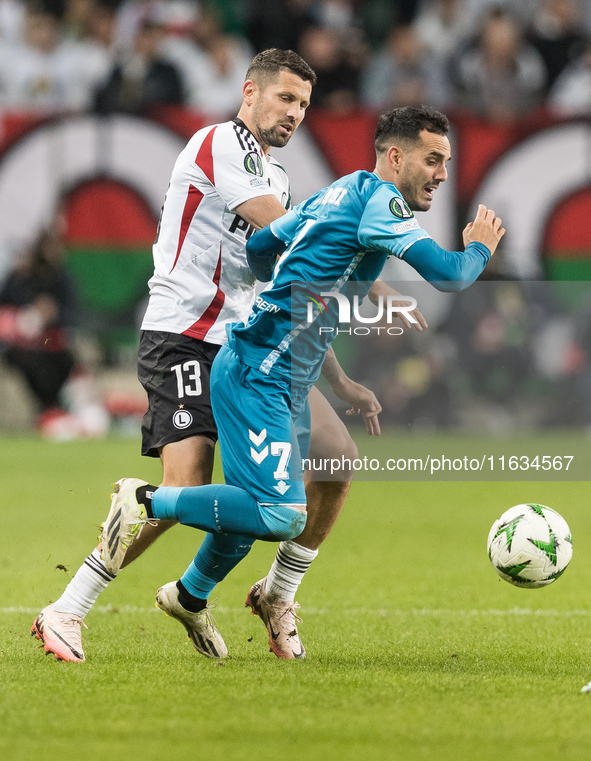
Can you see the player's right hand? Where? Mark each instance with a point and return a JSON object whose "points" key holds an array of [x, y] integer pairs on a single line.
{"points": [[485, 229]]}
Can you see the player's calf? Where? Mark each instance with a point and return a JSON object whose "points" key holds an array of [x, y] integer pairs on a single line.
{"points": [[220, 509]]}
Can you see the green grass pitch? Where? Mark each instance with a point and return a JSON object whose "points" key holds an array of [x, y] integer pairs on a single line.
{"points": [[416, 650]]}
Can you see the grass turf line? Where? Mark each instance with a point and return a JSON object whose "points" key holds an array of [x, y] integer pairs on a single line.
{"points": [[410, 653]]}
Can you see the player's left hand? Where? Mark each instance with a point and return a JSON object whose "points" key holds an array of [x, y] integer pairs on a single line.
{"points": [[363, 402], [420, 323]]}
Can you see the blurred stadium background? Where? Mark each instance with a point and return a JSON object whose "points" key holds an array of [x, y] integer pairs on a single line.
{"points": [[427, 651], [98, 96]]}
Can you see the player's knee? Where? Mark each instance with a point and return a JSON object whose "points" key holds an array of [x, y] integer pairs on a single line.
{"points": [[348, 447], [332, 456], [333, 442], [284, 521]]}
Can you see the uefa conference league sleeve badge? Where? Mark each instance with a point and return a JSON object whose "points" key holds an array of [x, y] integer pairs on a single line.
{"points": [[400, 208]]}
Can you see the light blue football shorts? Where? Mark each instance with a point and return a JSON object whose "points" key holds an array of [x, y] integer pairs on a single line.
{"points": [[264, 430]]}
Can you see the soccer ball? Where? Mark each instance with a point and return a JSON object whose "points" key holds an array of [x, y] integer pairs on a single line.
{"points": [[530, 546]]}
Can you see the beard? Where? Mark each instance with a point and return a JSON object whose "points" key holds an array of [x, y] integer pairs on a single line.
{"points": [[271, 136], [412, 193], [420, 205]]}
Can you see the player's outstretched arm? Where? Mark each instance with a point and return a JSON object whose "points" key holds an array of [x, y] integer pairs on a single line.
{"points": [[455, 270], [380, 288], [445, 270], [363, 401]]}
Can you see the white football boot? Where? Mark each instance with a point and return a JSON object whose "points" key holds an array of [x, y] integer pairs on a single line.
{"points": [[125, 521], [61, 634], [200, 626], [281, 621]]}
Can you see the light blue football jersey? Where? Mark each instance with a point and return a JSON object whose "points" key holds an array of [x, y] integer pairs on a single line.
{"points": [[338, 241]]}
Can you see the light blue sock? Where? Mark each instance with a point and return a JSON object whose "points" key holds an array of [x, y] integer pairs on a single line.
{"points": [[217, 556], [217, 508], [225, 509]]}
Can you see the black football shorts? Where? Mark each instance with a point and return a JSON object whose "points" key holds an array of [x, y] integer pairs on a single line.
{"points": [[175, 369]]}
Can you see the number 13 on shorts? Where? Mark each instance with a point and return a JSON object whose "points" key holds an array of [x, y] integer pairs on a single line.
{"points": [[188, 378]]}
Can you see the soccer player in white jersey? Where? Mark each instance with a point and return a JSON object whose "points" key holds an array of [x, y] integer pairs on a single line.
{"points": [[224, 186]]}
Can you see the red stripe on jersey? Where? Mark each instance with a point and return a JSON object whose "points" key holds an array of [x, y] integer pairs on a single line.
{"points": [[200, 328], [194, 198], [204, 158]]}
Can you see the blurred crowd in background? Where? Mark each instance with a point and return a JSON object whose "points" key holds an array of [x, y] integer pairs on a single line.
{"points": [[498, 60], [39, 314], [501, 355]]}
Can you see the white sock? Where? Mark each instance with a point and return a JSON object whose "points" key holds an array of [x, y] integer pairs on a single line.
{"points": [[82, 592], [288, 569]]}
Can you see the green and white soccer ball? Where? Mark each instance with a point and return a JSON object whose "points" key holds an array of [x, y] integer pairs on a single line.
{"points": [[530, 546]]}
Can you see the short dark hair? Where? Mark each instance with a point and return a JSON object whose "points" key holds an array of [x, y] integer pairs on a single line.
{"points": [[269, 63], [406, 124]]}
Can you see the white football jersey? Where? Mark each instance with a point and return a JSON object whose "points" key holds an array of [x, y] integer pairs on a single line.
{"points": [[201, 279]]}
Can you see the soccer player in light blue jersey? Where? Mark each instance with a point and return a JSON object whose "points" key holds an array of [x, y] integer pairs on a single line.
{"points": [[340, 238]]}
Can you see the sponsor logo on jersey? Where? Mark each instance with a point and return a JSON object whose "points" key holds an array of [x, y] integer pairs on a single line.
{"points": [[267, 306], [400, 208], [253, 163], [257, 182], [403, 226], [182, 419]]}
